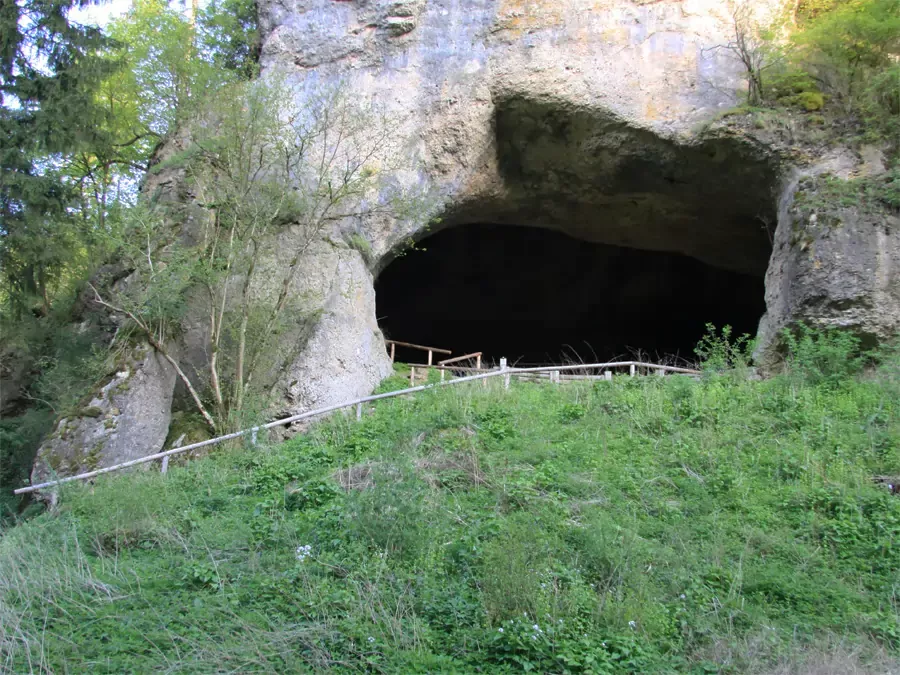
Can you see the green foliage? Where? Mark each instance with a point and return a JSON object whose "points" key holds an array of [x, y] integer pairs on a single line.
{"points": [[834, 57], [49, 69], [67, 363], [571, 412], [495, 423], [720, 351], [229, 32], [827, 357], [19, 440], [202, 575], [636, 526], [82, 112], [847, 45], [794, 87], [823, 195]]}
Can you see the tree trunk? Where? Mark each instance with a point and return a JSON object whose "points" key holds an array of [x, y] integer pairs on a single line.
{"points": [[242, 334]]}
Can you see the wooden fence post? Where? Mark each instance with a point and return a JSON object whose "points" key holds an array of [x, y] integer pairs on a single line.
{"points": [[393, 351], [359, 411], [430, 356], [554, 377], [631, 370], [661, 372], [478, 362], [504, 367], [412, 376], [608, 375], [165, 464], [443, 373]]}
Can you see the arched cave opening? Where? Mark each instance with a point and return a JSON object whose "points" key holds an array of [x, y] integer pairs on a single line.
{"points": [[537, 295]]}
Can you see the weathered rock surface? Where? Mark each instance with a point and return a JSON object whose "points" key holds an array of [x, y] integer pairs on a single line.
{"points": [[586, 116], [833, 265], [576, 115], [127, 418], [346, 337]]}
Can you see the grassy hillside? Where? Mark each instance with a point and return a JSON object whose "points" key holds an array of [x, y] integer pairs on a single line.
{"points": [[646, 525]]}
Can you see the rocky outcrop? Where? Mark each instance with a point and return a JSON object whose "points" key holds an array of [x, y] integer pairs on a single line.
{"points": [[345, 339], [836, 258], [127, 418], [585, 116]]}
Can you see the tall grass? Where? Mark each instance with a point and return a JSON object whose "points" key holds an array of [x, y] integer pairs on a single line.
{"points": [[638, 525]]}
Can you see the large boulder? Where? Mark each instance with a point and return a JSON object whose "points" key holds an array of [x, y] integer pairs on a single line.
{"points": [[127, 418]]}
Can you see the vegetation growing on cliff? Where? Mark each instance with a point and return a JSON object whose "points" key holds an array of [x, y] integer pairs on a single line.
{"points": [[635, 526], [835, 56], [82, 114]]}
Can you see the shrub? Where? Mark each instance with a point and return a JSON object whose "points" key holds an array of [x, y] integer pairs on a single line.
{"points": [[721, 351], [795, 87], [826, 356]]}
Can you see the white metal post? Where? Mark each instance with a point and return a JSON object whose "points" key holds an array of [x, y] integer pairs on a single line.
{"points": [[504, 367]]}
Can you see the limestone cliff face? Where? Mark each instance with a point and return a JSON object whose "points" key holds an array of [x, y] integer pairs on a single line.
{"points": [[585, 116], [577, 115], [836, 258]]}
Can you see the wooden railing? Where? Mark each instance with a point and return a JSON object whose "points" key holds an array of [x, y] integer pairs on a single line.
{"points": [[393, 344], [465, 357], [503, 371]]}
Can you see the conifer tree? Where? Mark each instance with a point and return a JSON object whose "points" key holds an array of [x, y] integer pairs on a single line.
{"points": [[49, 69]]}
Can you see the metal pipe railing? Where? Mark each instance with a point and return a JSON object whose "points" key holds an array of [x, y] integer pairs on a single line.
{"points": [[252, 431]]}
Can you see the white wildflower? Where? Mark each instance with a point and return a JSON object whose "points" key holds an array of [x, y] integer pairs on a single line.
{"points": [[304, 552], [371, 639], [633, 624], [499, 630]]}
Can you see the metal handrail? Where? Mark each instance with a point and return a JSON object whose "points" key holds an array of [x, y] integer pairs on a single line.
{"points": [[252, 431]]}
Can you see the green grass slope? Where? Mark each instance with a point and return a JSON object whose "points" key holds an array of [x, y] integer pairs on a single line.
{"points": [[634, 526]]}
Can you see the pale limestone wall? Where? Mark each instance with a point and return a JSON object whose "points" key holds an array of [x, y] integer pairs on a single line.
{"points": [[586, 116]]}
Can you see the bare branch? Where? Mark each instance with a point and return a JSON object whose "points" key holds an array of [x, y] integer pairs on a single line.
{"points": [[160, 348]]}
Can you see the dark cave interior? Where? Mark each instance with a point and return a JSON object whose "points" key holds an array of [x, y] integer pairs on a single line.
{"points": [[539, 296]]}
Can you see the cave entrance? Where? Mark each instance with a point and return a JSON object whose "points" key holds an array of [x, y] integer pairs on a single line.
{"points": [[540, 296]]}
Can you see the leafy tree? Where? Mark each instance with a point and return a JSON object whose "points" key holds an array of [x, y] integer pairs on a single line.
{"points": [[82, 114], [165, 73], [851, 44], [809, 10], [229, 36], [49, 70], [258, 163]]}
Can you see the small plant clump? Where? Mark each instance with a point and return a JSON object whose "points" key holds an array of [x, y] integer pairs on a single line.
{"points": [[639, 525]]}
